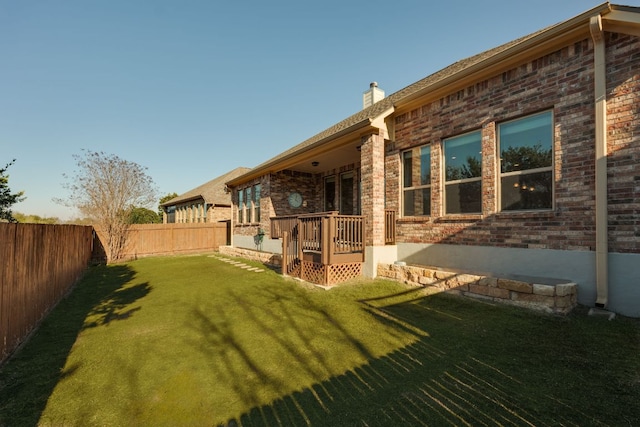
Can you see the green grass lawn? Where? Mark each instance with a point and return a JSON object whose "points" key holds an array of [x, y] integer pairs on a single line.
{"points": [[195, 341]]}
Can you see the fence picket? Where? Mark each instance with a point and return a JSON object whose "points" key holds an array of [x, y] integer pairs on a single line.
{"points": [[39, 263]]}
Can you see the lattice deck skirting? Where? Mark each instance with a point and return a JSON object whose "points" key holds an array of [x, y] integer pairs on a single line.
{"points": [[329, 274], [293, 268]]}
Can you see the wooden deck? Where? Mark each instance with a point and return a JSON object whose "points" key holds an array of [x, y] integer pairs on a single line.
{"points": [[323, 248]]}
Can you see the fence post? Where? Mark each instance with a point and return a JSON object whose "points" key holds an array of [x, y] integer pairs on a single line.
{"points": [[285, 253]]}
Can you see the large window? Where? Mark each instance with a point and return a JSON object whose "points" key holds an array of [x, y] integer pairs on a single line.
{"points": [[200, 213], [256, 203], [526, 160], [247, 204], [240, 206], [463, 174], [330, 193], [171, 214], [416, 181], [347, 206]]}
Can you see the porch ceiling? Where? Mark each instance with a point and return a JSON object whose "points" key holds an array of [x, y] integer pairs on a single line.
{"points": [[334, 158]]}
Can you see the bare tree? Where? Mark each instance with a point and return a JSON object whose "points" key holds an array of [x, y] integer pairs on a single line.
{"points": [[107, 188]]}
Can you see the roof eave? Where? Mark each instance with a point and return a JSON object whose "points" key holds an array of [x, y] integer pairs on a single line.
{"points": [[174, 202], [546, 41], [622, 19], [294, 157], [539, 44]]}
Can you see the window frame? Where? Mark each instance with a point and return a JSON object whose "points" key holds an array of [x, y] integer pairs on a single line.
{"points": [[241, 206], [420, 187], [345, 190], [248, 194], [537, 170], [332, 206], [446, 183], [255, 194]]}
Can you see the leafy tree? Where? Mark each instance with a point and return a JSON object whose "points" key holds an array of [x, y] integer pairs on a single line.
{"points": [[165, 199], [525, 157], [107, 189], [532, 190], [144, 216], [80, 221], [472, 169], [468, 200], [35, 219], [8, 199]]}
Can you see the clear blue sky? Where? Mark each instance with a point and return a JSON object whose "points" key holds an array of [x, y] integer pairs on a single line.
{"points": [[191, 89]]}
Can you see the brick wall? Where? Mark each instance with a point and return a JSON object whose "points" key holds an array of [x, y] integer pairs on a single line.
{"points": [[219, 213], [337, 174], [251, 229], [284, 183], [563, 83], [373, 189], [623, 134], [275, 190]]}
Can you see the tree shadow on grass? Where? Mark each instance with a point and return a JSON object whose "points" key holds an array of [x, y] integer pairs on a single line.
{"points": [[29, 377], [233, 356], [452, 374]]}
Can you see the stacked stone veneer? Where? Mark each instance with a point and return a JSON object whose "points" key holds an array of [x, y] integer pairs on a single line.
{"points": [[558, 298], [267, 258]]}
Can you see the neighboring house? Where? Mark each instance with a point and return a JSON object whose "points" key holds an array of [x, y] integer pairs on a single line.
{"points": [[519, 160], [210, 202]]}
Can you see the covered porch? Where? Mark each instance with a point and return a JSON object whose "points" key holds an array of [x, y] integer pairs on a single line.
{"points": [[325, 248], [321, 204]]}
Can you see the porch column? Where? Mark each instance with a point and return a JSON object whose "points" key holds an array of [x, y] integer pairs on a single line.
{"points": [[372, 202], [372, 181]]}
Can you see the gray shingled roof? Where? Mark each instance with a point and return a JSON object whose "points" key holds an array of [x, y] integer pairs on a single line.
{"points": [[212, 192], [384, 104], [450, 73]]}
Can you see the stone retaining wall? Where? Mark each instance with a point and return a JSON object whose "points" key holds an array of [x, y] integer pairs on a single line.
{"points": [[548, 295], [268, 258]]}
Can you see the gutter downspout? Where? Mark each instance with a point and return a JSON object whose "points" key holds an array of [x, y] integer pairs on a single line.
{"points": [[599, 66]]}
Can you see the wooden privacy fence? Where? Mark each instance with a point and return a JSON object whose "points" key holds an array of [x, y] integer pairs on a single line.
{"points": [[173, 239], [38, 265]]}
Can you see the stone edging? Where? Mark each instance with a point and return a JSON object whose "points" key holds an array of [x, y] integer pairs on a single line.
{"points": [[267, 258], [548, 295]]}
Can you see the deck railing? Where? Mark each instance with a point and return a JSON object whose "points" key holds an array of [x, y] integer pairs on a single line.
{"points": [[329, 235], [389, 227], [349, 234], [281, 224]]}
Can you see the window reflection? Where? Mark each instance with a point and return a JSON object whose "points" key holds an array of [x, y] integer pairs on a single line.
{"points": [[463, 172], [526, 159], [416, 181]]}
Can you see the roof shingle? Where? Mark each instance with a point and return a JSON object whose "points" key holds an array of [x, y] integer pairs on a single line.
{"points": [[213, 192]]}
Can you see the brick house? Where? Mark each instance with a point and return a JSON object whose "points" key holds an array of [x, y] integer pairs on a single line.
{"points": [[521, 160], [209, 202]]}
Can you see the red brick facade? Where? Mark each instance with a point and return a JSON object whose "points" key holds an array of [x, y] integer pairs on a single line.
{"points": [[275, 190], [561, 82], [623, 126], [373, 189]]}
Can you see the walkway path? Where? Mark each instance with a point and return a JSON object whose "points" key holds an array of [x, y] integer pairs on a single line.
{"points": [[238, 264]]}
